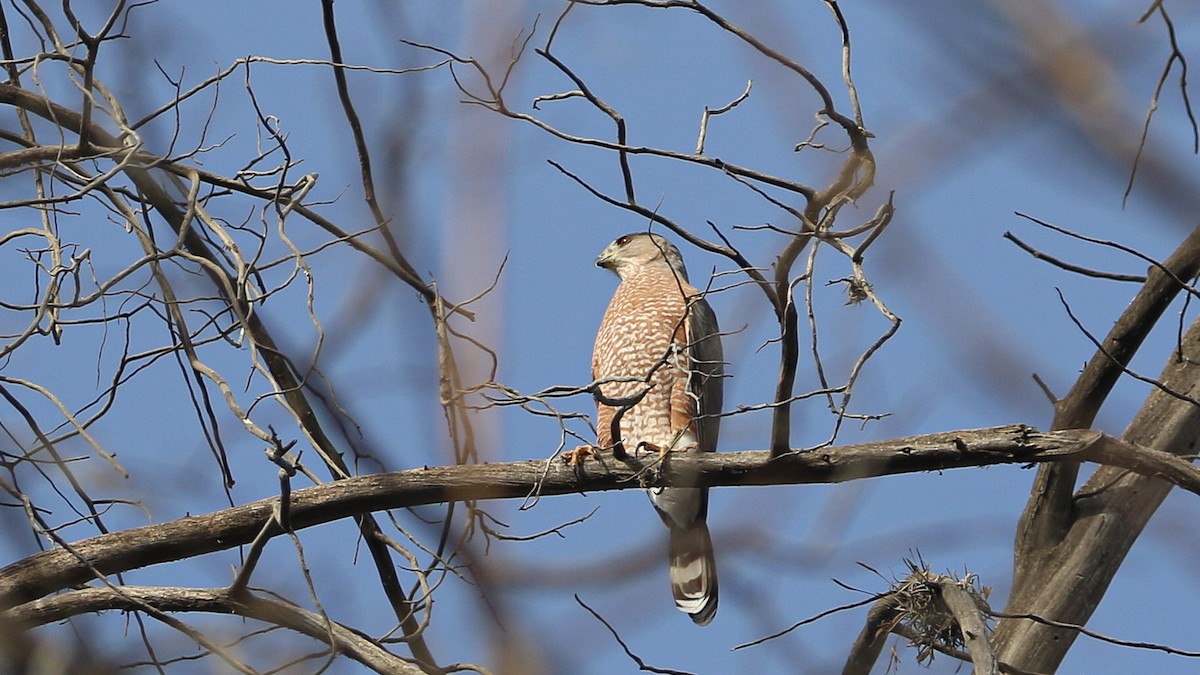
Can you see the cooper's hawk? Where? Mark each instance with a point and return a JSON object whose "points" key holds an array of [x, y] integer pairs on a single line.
{"points": [[660, 337]]}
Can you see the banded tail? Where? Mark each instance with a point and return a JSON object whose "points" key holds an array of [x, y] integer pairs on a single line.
{"points": [[693, 572]]}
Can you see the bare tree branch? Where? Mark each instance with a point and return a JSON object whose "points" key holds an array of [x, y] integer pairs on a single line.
{"points": [[1050, 510], [882, 619], [961, 602], [54, 570], [1066, 581], [182, 600]]}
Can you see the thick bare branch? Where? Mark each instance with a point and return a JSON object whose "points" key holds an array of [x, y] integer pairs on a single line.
{"points": [[961, 602], [1104, 519], [1051, 510], [57, 569], [882, 618]]}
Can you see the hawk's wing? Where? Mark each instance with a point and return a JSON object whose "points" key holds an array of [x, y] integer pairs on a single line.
{"points": [[707, 363]]}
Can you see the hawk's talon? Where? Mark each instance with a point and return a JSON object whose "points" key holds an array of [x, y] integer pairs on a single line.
{"points": [[650, 447], [577, 456]]}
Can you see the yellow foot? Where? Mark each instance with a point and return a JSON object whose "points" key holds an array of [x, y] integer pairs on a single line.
{"points": [[651, 447], [577, 456]]}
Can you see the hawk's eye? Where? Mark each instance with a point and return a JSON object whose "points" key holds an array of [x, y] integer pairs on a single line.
{"points": [[623, 240]]}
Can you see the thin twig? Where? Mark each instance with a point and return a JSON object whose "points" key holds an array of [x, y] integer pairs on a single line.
{"points": [[642, 665], [1038, 255]]}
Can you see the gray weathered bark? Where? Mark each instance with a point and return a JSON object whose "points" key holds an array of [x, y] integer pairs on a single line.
{"points": [[1107, 515], [83, 561]]}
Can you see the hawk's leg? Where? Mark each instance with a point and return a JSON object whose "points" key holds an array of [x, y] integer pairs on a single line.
{"points": [[577, 456], [651, 447], [661, 450]]}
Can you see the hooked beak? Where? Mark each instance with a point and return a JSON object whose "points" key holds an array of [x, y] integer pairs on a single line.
{"points": [[604, 260]]}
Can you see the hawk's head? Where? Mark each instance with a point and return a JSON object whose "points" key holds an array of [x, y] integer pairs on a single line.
{"points": [[632, 251]]}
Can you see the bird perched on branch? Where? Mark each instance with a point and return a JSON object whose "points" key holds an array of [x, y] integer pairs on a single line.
{"points": [[659, 362]]}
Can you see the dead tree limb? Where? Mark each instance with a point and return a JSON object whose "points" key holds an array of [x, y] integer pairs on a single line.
{"points": [[1106, 516], [340, 638], [1050, 510], [83, 561], [961, 602], [882, 618]]}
